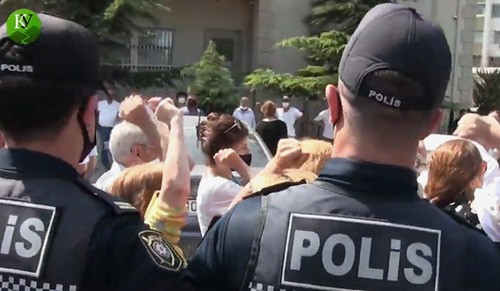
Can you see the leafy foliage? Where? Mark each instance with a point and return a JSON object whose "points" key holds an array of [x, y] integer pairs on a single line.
{"points": [[487, 91], [211, 81], [341, 15], [323, 50]]}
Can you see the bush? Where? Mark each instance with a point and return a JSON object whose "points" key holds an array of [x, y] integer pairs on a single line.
{"points": [[211, 81]]}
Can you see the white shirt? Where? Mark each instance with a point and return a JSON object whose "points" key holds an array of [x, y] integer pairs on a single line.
{"points": [[487, 199], [92, 153], [246, 116], [289, 118], [324, 116], [215, 194], [108, 178], [108, 113]]}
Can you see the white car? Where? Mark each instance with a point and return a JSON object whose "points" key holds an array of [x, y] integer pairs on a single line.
{"points": [[261, 155]]}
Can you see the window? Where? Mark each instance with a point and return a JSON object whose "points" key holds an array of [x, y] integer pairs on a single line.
{"points": [[225, 47], [496, 37], [478, 37], [154, 50], [480, 9], [495, 12]]}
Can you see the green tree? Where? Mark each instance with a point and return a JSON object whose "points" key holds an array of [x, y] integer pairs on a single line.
{"points": [[487, 91], [211, 81], [323, 50], [341, 15]]}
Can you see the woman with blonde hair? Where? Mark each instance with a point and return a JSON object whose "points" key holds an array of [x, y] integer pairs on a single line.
{"points": [[456, 170]]}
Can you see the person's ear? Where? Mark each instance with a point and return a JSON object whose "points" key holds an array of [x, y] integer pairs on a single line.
{"points": [[333, 99], [89, 114], [434, 123], [136, 150]]}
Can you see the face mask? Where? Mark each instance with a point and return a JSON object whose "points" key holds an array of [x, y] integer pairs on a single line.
{"points": [[181, 100], [286, 104], [244, 108], [247, 159], [155, 161], [87, 144]]}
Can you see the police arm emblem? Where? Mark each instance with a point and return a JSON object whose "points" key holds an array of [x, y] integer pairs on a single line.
{"points": [[161, 251]]}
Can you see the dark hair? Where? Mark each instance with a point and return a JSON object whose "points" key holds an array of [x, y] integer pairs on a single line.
{"points": [[221, 131], [180, 94], [268, 109], [38, 109]]}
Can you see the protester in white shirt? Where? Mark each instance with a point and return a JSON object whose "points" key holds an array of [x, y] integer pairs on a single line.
{"points": [[245, 114], [289, 115], [108, 117], [325, 120], [225, 147]]}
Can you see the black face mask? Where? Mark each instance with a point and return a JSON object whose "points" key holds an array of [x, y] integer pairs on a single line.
{"points": [[247, 159], [87, 144]]}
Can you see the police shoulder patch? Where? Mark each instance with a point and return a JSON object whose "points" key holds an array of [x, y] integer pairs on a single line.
{"points": [[161, 251]]}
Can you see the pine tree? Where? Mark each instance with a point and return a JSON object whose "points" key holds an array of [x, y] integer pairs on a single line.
{"points": [[330, 22], [211, 81]]}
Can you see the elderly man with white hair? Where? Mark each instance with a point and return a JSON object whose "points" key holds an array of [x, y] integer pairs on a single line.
{"points": [[129, 147], [133, 142]]}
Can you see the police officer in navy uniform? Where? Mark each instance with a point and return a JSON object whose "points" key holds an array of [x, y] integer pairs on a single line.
{"points": [[57, 232], [361, 225]]}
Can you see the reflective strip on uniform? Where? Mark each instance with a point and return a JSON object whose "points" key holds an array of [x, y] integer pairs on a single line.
{"points": [[124, 205], [12, 283]]}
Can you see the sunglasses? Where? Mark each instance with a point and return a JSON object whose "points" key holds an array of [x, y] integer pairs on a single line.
{"points": [[237, 124]]}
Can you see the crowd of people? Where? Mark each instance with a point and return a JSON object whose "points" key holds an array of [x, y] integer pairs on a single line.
{"points": [[380, 203]]}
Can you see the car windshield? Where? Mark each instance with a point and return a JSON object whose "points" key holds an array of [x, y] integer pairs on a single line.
{"points": [[259, 158]]}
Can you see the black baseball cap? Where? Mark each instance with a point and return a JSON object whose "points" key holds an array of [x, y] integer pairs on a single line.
{"points": [[65, 51], [393, 37]]}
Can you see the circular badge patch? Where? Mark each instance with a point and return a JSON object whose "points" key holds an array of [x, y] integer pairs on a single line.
{"points": [[23, 26]]}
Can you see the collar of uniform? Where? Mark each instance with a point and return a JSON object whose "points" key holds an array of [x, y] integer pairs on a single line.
{"points": [[35, 164], [353, 176]]}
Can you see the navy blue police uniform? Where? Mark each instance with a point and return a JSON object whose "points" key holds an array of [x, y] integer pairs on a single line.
{"points": [[57, 232], [361, 225]]}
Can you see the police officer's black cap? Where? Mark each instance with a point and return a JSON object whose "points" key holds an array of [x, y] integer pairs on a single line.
{"points": [[393, 37], [65, 51]]}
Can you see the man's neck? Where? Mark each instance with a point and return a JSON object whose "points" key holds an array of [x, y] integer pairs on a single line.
{"points": [[60, 150], [286, 109], [347, 146]]}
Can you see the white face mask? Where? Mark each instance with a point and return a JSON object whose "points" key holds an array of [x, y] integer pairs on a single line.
{"points": [[181, 100], [155, 161], [286, 104], [244, 107]]}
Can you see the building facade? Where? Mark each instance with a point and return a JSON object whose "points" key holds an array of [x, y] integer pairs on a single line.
{"points": [[488, 33], [245, 32]]}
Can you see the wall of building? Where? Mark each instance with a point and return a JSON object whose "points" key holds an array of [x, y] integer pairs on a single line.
{"points": [[277, 20], [191, 18]]}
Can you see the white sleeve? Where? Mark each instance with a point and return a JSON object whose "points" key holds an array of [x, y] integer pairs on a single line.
{"points": [[487, 206], [298, 113], [320, 117], [235, 113]]}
